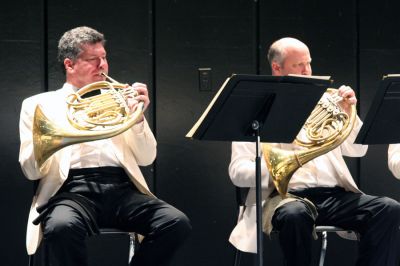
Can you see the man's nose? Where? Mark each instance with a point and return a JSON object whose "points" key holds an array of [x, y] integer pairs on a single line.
{"points": [[306, 70], [102, 62]]}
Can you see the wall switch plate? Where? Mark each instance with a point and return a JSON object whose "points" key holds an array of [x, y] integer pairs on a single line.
{"points": [[205, 79]]}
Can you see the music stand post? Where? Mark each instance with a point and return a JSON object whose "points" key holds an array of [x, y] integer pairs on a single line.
{"points": [[260, 242], [259, 108]]}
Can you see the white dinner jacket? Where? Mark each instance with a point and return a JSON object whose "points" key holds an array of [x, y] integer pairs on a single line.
{"points": [[394, 159], [133, 148], [242, 173]]}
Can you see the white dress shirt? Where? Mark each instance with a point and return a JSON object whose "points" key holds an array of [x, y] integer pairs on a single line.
{"points": [[97, 153], [319, 172]]}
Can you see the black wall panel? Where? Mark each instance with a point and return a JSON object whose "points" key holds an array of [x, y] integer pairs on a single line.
{"points": [[20, 76], [330, 33], [163, 44], [191, 174], [379, 55]]}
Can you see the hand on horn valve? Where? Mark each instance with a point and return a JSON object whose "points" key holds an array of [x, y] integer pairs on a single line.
{"points": [[349, 98], [142, 96]]}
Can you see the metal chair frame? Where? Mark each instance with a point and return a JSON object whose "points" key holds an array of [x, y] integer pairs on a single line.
{"points": [[133, 244], [321, 230]]}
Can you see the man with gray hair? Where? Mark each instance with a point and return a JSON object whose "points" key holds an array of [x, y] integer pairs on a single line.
{"points": [[96, 184], [324, 181]]}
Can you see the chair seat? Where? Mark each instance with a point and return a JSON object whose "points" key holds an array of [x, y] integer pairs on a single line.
{"points": [[328, 228], [324, 230], [105, 231]]}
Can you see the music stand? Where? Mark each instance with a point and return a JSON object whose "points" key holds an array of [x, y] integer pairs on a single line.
{"points": [[382, 123], [257, 108]]}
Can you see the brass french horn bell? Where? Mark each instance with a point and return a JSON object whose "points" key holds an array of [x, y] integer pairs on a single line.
{"points": [[93, 118], [326, 128]]}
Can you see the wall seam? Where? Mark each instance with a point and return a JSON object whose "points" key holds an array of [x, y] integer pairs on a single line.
{"points": [[44, 37], [152, 78], [358, 77], [256, 23]]}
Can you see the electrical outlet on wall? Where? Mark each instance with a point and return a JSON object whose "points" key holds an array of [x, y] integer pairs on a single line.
{"points": [[205, 79]]}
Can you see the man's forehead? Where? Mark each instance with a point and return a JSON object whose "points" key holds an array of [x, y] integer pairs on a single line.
{"points": [[297, 50], [298, 54], [92, 49]]}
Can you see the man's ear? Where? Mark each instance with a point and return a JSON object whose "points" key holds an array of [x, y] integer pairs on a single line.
{"points": [[68, 64], [275, 68]]}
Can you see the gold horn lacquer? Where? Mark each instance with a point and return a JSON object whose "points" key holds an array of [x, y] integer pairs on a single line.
{"points": [[93, 118], [326, 128]]}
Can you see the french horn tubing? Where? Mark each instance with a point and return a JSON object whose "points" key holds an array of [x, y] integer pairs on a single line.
{"points": [[326, 128], [92, 118]]}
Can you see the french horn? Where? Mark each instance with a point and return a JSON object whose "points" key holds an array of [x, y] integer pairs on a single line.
{"points": [[326, 128], [92, 118]]}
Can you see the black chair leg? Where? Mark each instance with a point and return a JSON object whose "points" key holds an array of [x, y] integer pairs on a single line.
{"points": [[238, 254], [133, 244], [31, 260], [324, 244]]}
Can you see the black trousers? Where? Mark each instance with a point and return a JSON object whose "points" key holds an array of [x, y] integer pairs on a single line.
{"points": [[376, 219], [111, 200]]}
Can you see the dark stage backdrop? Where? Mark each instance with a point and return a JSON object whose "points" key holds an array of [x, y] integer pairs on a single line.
{"points": [[164, 44]]}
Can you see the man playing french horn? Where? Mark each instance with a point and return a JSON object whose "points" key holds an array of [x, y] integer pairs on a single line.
{"points": [[93, 182], [323, 184]]}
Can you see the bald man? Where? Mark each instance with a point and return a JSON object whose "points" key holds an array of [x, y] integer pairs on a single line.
{"points": [[325, 182]]}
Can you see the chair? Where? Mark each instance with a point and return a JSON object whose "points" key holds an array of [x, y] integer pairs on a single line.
{"points": [[133, 244], [133, 240], [323, 232], [241, 194]]}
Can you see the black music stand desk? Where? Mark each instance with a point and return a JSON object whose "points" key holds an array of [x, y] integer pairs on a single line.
{"points": [[382, 123], [257, 108]]}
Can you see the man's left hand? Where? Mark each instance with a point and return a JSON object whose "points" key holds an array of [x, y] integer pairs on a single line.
{"points": [[142, 96], [349, 98]]}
